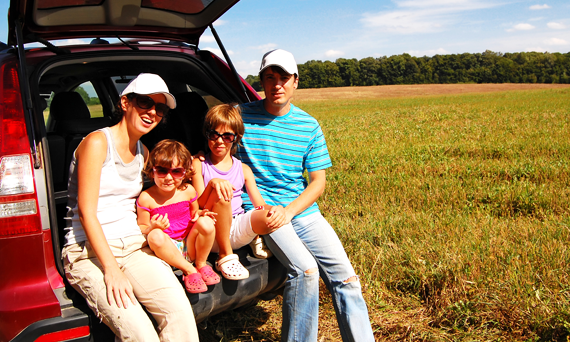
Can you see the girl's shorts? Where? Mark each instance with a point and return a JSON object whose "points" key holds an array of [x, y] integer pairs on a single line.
{"points": [[182, 248], [241, 232]]}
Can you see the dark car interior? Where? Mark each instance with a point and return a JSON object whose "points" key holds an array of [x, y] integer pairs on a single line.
{"points": [[70, 120]]}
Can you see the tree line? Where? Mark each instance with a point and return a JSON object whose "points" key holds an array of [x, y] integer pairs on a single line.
{"points": [[486, 67]]}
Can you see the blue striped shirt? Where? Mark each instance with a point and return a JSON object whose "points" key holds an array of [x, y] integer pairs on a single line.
{"points": [[279, 149]]}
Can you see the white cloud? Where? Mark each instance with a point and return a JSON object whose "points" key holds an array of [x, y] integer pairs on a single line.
{"points": [[422, 16], [245, 68], [219, 22], [539, 7], [265, 48], [418, 53], [207, 39], [556, 41], [463, 4], [334, 53], [556, 26], [535, 49], [521, 27]]}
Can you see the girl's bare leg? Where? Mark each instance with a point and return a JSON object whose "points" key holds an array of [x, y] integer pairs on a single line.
{"points": [[161, 245], [223, 222], [259, 220], [201, 238]]}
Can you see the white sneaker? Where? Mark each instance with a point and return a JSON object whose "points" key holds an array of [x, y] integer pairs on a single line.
{"points": [[259, 248]]}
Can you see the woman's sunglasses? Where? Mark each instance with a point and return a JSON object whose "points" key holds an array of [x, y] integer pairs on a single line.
{"points": [[146, 102], [226, 137], [161, 172]]}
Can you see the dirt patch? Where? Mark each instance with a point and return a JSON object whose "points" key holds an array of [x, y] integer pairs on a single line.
{"points": [[391, 91]]}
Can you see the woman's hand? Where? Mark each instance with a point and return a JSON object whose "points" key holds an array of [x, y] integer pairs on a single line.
{"points": [[160, 222], [119, 288], [223, 188]]}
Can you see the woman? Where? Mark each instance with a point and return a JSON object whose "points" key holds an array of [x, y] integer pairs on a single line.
{"points": [[106, 257]]}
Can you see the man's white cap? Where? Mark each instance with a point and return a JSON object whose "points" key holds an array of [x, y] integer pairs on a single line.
{"points": [[150, 84], [280, 58]]}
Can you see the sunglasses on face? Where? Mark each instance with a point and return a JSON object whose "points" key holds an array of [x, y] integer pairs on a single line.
{"points": [[226, 137], [146, 102], [176, 172]]}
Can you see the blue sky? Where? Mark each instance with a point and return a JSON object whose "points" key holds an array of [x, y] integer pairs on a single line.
{"points": [[327, 30]]}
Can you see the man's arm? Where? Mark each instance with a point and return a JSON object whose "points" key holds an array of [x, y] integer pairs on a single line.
{"points": [[312, 192]]}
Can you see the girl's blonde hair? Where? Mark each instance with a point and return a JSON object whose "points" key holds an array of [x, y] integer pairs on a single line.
{"points": [[228, 115], [164, 153]]}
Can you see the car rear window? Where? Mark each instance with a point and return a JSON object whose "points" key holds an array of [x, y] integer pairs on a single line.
{"points": [[186, 7]]}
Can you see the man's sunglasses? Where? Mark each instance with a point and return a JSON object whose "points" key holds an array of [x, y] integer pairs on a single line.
{"points": [[161, 172], [146, 102], [226, 137]]}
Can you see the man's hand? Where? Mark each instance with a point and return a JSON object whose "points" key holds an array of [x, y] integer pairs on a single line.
{"points": [[200, 155], [277, 217]]}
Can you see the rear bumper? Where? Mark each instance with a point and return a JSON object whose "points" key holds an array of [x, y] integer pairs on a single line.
{"points": [[266, 275]]}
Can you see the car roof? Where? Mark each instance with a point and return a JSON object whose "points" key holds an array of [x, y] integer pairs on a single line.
{"points": [[181, 20]]}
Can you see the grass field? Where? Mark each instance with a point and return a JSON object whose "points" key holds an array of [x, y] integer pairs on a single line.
{"points": [[453, 209]]}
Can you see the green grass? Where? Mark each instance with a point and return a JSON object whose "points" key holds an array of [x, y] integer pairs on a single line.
{"points": [[95, 110], [454, 211]]}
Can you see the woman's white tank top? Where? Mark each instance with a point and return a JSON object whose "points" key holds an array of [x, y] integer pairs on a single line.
{"points": [[116, 210]]}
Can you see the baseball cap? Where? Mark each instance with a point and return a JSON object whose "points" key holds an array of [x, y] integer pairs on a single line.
{"points": [[150, 84], [280, 58]]}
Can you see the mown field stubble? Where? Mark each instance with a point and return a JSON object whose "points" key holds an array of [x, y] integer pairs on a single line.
{"points": [[453, 209]]}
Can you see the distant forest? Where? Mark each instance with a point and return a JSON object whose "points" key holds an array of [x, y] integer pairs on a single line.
{"points": [[486, 67]]}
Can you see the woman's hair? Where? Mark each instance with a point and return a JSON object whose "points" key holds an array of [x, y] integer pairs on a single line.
{"points": [[228, 115], [164, 153]]}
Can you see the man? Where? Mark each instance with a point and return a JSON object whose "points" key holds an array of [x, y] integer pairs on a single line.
{"points": [[281, 141]]}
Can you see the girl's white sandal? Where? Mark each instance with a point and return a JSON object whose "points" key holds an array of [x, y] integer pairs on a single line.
{"points": [[231, 268]]}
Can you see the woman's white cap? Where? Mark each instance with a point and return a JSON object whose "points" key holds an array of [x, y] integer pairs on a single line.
{"points": [[280, 58], [150, 84]]}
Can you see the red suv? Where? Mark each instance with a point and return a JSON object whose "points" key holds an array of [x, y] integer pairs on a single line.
{"points": [[45, 95]]}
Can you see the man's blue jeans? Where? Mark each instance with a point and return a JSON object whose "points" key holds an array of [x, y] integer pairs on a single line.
{"points": [[308, 243]]}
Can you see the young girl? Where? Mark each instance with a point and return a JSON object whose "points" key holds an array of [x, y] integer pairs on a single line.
{"points": [[177, 231], [219, 181]]}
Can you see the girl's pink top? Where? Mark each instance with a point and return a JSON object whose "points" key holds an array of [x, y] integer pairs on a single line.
{"points": [[178, 216]]}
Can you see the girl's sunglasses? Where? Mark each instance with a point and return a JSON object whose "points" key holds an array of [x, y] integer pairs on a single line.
{"points": [[177, 172], [146, 102], [226, 137]]}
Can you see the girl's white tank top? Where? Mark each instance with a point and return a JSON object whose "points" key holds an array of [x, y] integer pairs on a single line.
{"points": [[116, 210]]}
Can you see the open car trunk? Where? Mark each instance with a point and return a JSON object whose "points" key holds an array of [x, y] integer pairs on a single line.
{"points": [[198, 80]]}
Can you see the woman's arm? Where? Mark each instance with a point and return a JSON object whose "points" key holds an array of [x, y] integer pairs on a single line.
{"points": [[90, 155]]}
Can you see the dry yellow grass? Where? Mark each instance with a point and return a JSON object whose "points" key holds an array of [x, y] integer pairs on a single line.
{"points": [[392, 91]]}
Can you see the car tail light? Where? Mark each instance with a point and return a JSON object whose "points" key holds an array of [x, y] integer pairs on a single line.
{"points": [[64, 335], [18, 202]]}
